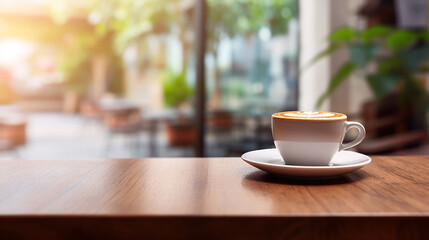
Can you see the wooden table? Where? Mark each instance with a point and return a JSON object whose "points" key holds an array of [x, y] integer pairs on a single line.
{"points": [[210, 198]]}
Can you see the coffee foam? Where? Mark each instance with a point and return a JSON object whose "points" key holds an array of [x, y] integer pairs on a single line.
{"points": [[310, 115]]}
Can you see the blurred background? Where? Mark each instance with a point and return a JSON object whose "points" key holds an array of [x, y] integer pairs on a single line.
{"points": [[118, 78]]}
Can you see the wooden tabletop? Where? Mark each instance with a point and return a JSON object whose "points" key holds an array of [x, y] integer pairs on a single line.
{"points": [[199, 195]]}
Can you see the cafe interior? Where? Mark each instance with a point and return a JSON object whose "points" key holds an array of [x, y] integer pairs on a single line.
{"points": [[131, 79], [168, 91]]}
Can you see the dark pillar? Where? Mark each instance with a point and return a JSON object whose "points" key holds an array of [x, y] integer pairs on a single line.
{"points": [[200, 98]]}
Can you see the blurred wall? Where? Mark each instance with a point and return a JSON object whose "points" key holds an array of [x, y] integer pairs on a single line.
{"points": [[358, 88], [340, 99], [318, 19], [315, 21]]}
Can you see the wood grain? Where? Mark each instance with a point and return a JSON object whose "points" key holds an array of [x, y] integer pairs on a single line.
{"points": [[203, 195]]}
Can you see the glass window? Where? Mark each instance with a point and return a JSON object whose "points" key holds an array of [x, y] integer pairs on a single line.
{"points": [[251, 71], [116, 78]]}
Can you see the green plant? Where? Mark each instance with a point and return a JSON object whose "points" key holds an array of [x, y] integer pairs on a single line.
{"points": [[391, 60], [175, 88]]}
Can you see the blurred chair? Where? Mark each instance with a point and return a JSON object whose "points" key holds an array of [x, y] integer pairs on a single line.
{"points": [[48, 97], [153, 120], [90, 109], [91, 113], [220, 124], [13, 129], [12, 134], [8, 148], [220, 120], [126, 122], [254, 133], [388, 128]]}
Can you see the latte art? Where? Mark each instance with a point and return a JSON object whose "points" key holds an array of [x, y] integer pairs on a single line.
{"points": [[310, 115]]}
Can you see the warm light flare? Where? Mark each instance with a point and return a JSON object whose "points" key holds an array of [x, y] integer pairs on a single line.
{"points": [[13, 51]]}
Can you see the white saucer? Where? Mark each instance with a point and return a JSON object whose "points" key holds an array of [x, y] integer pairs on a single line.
{"points": [[269, 160]]}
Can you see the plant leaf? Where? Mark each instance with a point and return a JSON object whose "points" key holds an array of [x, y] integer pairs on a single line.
{"points": [[400, 39], [423, 69], [415, 94], [345, 70], [343, 34], [425, 36], [374, 32], [382, 84], [415, 57], [175, 88], [362, 54], [389, 64]]}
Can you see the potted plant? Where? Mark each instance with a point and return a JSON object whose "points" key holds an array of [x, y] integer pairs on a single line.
{"points": [[177, 92], [392, 62]]}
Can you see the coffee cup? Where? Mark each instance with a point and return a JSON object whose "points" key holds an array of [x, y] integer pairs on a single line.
{"points": [[312, 138]]}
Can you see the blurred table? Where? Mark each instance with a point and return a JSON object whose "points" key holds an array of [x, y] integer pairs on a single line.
{"points": [[117, 105], [13, 128], [119, 112], [210, 198]]}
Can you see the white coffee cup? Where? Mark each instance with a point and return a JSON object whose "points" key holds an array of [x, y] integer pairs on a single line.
{"points": [[312, 138]]}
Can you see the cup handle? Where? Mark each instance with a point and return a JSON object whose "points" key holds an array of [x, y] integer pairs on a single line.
{"points": [[360, 128]]}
